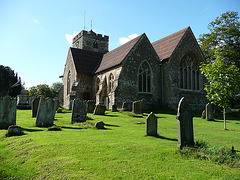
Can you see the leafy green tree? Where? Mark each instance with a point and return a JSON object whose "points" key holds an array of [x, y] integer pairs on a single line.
{"points": [[41, 90], [56, 88], [224, 36], [10, 83]]}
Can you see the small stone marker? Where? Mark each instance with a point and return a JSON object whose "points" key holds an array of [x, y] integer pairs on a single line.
{"points": [[99, 109], [203, 114], [125, 106], [185, 124], [79, 110], [137, 107], [14, 130], [151, 125], [114, 108], [46, 112], [34, 106], [209, 112], [8, 108], [91, 106], [99, 125]]}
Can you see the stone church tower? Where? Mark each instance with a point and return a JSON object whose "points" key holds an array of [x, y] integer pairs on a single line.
{"points": [[89, 40]]}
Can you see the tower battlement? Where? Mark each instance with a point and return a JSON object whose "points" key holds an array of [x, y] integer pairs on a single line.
{"points": [[90, 40]]}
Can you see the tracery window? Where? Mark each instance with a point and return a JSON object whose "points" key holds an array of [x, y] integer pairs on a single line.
{"points": [[189, 73], [97, 84], [68, 82], [111, 82], [144, 78]]}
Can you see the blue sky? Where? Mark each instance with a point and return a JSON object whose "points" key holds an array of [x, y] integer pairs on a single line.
{"points": [[34, 34]]}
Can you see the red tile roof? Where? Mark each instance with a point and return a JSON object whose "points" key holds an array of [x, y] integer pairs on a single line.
{"points": [[165, 46], [116, 56], [85, 61]]}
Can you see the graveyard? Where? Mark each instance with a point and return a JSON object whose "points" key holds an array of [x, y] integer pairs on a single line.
{"points": [[121, 150]]}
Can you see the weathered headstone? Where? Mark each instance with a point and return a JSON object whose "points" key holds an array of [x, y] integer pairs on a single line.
{"points": [[7, 112], [79, 110], [203, 116], [99, 109], [30, 99], [114, 108], [99, 125], [125, 106], [151, 125], [209, 112], [185, 124], [91, 106], [22, 100], [46, 112], [137, 107], [34, 106], [14, 130]]}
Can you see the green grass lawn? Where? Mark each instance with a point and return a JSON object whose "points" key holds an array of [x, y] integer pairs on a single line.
{"points": [[121, 151]]}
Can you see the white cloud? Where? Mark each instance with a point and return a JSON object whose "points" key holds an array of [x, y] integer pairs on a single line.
{"points": [[70, 37], [35, 20], [123, 40]]}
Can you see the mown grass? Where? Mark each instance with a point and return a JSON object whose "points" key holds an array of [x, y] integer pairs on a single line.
{"points": [[121, 151]]}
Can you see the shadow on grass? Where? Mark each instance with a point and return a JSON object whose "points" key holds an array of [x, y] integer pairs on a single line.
{"points": [[110, 115], [67, 127], [111, 125], [163, 137], [31, 130]]}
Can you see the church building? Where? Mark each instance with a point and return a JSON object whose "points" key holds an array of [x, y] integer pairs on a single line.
{"points": [[159, 73]]}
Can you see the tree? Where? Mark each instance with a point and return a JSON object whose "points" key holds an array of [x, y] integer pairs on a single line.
{"points": [[221, 48], [10, 83], [224, 36], [56, 88], [41, 90]]}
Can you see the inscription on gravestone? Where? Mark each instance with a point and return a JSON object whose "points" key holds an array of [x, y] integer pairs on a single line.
{"points": [[185, 124], [8, 108], [79, 110]]}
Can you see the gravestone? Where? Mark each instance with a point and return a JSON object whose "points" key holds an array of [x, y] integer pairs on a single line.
{"points": [[46, 112], [185, 124], [137, 107], [91, 106], [8, 108], [99, 125], [203, 116], [22, 100], [30, 99], [125, 106], [99, 109], [14, 130], [114, 108], [34, 106], [151, 125], [79, 110], [209, 112]]}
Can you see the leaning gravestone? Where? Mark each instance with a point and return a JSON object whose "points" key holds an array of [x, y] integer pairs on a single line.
{"points": [[137, 107], [46, 112], [7, 112], [34, 106], [185, 124], [125, 106], [151, 125], [91, 106], [209, 112], [30, 99], [79, 110], [99, 109]]}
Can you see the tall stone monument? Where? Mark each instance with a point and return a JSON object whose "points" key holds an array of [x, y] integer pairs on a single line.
{"points": [[185, 124]]}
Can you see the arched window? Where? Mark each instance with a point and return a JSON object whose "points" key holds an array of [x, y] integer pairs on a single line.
{"points": [[144, 78], [189, 73], [111, 82], [68, 82], [97, 84]]}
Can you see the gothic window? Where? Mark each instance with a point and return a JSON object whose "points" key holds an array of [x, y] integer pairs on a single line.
{"points": [[111, 83], [68, 83], [144, 78], [189, 73], [97, 84]]}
